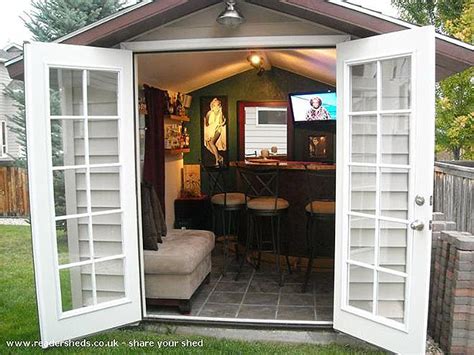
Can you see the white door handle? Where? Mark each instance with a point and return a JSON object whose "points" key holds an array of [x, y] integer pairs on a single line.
{"points": [[417, 225]]}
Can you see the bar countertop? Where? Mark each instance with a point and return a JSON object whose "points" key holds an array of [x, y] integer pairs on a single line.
{"points": [[284, 165]]}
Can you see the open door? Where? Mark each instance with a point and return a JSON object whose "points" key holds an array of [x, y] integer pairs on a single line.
{"points": [[385, 158], [81, 160]]}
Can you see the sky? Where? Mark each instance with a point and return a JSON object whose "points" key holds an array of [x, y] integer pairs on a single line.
{"points": [[12, 28]]}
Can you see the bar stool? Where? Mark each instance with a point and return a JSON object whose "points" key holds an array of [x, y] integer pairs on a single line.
{"points": [[317, 210], [226, 205], [263, 203]]}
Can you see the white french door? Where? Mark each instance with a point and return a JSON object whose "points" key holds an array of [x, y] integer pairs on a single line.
{"points": [[385, 153], [81, 160]]}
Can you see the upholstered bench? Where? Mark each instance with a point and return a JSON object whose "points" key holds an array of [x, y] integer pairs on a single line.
{"points": [[178, 267]]}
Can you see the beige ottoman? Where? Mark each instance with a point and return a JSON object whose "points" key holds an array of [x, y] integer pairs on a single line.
{"points": [[178, 267]]}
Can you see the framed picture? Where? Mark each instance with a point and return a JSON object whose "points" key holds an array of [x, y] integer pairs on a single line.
{"points": [[214, 132], [320, 147]]}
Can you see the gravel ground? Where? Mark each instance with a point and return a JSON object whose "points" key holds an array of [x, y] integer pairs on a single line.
{"points": [[432, 348], [14, 221]]}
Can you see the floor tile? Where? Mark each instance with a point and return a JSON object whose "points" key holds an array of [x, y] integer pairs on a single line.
{"points": [[226, 297], [293, 299], [295, 313], [324, 313], [257, 312], [294, 288], [231, 286], [219, 310], [230, 277], [324, 301], [264, 286], [261, 298]]}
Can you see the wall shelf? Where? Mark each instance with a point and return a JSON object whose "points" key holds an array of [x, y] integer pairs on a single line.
{"points": [[177, 151], [178, 118]]}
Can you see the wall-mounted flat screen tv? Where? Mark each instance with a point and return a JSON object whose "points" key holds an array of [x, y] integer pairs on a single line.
{"points": [[313, 107]]}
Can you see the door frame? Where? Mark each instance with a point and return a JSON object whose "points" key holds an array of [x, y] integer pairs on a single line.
{"points": [[202, 45], [221, 44]]}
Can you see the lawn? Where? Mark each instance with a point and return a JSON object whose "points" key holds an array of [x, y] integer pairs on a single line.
{"points": [[19, 320]]}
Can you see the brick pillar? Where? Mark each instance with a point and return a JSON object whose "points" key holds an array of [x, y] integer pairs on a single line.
{"points": [[451, 317]]}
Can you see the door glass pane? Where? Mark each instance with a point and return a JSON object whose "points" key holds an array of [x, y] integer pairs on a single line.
{"points": [[363, 196], [393, 245], [105, 188], [102, 89], [361, 287], [363, 139], [103, 141], [70, 192], [395, 138], [67, 142], [65, 92], [107, 235], [72, 236], [110, 280], [391, 296], [364, 87], [72, 291], [362, 239], [396, 83], [394, 193]]}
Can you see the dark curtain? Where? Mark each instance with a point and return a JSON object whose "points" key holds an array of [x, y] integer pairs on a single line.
{"points": [[154, 164]]}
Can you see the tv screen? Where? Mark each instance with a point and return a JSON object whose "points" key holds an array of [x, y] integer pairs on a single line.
{"points": [[311, 107]]}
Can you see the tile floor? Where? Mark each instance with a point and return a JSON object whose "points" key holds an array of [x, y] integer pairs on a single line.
{"points": [[256, 295]]}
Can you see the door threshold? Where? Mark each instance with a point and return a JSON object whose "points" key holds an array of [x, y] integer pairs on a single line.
{"points": [[238, 322]]}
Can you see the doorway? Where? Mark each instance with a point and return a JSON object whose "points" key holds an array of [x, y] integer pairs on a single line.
{"points": [[256, 296]]}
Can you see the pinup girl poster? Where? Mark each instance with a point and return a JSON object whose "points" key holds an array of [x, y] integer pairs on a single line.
{"points": [[214, 121]]}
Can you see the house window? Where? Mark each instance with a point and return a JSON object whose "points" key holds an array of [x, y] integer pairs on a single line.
{"points": [[274, 116], [3, 135], [265, 128]]}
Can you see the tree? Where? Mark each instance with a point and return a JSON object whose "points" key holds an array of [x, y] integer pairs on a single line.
{"points": [[454, 95], [52, 19], [48, 21]]}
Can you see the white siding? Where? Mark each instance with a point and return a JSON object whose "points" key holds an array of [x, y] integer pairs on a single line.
{"points": [[7, 108], [258, 22], [258, 137]]}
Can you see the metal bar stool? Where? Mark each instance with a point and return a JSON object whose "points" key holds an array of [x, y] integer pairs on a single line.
{"points": [[225, 205], [317, 210], [263, 203]]}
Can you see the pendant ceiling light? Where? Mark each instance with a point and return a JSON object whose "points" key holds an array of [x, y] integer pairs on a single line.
{"points": [[231, 16]]}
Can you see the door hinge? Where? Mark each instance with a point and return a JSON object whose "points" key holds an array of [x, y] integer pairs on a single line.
{"points": [[430, 224], [431, 200]]}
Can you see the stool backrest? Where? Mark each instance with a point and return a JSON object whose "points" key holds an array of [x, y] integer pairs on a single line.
{"points": [[216, 177], [315, 191], [261, 181]]}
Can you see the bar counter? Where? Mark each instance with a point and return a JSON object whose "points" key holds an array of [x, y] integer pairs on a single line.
{"points": [[293, 186]]}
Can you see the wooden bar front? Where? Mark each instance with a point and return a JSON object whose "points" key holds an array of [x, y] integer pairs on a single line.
{"points": [[293, 186]]}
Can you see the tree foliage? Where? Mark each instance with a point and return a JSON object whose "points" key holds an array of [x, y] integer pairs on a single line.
{"points": [[52, 19], [455, 94]]}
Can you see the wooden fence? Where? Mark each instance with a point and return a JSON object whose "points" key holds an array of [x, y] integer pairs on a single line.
{"points": [[454, 193], [13, 192]]}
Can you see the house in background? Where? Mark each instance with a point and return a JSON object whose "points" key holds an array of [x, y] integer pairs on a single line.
{"points": [[9, 147], [13, 180]]}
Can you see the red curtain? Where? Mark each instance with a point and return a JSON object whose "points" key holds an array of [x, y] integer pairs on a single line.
{"points": [[154, 164]]}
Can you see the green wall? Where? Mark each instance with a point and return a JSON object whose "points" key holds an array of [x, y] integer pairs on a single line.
{"points": [[275, 84]]}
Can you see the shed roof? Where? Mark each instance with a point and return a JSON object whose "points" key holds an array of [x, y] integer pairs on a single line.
{"points": [[452, 56]]}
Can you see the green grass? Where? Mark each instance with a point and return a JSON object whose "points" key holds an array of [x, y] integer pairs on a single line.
{"points": [[19, 320]]}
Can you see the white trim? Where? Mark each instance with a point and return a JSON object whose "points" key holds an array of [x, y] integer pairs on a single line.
{"points": [[239, 320], [397, 21], [263, 108], [235, 42], [11, 45], [3, 133]]}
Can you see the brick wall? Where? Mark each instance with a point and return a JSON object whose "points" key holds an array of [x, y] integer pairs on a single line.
{"points": [[451, 311]]}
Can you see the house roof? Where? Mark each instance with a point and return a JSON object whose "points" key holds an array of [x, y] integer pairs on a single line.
{"points": [[452, 56]]}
